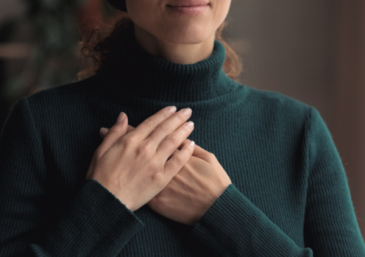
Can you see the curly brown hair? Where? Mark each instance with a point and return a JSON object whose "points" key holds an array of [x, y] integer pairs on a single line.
{"points": [[98, 45]]}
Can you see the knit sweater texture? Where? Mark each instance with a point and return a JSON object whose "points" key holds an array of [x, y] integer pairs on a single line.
{"points": [[289, 194]]}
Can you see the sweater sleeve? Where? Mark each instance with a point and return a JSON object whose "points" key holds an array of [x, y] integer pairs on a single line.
{"points": [[95, 223], [331, 227], [234, 226]]}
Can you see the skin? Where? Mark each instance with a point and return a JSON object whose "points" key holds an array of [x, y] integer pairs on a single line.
{"points": [[193, 190], [178, 38], [182, 39]]}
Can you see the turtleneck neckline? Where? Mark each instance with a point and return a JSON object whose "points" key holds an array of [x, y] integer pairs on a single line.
{"points": [[146, 76]]}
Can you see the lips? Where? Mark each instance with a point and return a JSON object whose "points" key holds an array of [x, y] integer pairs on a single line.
{"points": [[188, 3]]}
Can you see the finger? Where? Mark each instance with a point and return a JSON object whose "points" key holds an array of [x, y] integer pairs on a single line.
{"points": [[91, 168], [130, 128], [177, 150], [104, 131], [200, 152], [118, 130], [186, 141], [178, 160], [149, 125]]}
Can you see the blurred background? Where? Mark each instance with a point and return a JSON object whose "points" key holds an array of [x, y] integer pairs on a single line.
{"points": [[313, 51]]}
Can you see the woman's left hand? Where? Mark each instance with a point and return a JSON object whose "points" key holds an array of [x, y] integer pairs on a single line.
{"points": [[194, 188]]}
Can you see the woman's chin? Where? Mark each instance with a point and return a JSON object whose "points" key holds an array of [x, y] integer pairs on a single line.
{"points": [[186, 38]]}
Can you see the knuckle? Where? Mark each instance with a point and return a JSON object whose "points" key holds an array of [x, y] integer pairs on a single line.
{"points": [[173, 139], [165, 127], [144, 149], [128, 140], [116, 127], [158, 178], [179, 159], [155, 166]]}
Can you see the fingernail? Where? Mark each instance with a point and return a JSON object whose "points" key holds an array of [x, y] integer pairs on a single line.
{"points": [[192, 143], [104, 130], [172, 109], [121, 117]]}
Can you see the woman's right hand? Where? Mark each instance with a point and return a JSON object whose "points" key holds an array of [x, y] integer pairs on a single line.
{"points": [[135, 167]]}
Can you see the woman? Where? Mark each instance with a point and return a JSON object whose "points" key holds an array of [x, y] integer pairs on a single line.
{"points": [[264, 179]]}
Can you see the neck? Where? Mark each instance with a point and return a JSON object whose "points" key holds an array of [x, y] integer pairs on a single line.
{"points": [[137, 73], [187, 53]]}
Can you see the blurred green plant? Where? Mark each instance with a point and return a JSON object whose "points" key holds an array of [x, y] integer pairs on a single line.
{"points": [[54, 59]]}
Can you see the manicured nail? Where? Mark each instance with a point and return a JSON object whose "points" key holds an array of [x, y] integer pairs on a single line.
{"points": [[121, 117], [172, 109], [104, 130]]}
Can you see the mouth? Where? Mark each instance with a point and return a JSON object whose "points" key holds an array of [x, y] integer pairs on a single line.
{"points": [[189, 3], [189, 7]]}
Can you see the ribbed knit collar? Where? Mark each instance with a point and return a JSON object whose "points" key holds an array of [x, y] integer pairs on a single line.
{"points": [[144, 75]]}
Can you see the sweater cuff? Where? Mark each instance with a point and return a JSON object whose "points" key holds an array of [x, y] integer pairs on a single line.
{"points": [[95, 223], [234, 226], [111, 216]]}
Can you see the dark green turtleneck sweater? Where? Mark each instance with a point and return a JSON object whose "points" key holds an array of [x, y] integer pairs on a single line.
{"points": [[289, 194]]}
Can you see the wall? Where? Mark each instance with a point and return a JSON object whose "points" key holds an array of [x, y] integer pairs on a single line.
{"points": [[313, 51]]}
